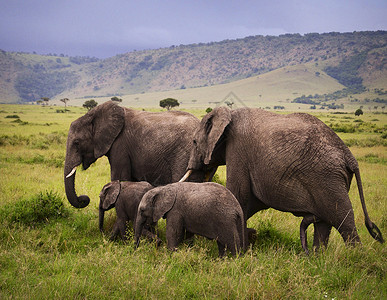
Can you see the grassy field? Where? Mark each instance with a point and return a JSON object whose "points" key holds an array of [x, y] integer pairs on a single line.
{"points": [[50, 250]]}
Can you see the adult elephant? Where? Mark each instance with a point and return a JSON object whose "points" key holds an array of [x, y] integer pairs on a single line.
{"points": [[140, 145], [293, 163]]}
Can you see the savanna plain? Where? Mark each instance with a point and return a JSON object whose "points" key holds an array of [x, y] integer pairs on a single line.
{"points": [[50, 250]]}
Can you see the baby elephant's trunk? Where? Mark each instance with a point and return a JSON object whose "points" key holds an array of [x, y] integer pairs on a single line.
{"points": [[101, 218], [137, 231]]}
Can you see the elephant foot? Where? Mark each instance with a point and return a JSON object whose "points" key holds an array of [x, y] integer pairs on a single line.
{"points": [[251, 236], [158, 242]]}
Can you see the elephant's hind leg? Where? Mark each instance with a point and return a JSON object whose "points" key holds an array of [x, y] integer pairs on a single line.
{"points": [[347, 229], [322, 231]]}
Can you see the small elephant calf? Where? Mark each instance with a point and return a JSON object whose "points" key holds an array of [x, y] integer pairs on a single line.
{"points": [[206, 209], [125, 196]]}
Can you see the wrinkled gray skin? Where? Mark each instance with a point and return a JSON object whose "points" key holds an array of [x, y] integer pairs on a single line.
{"points": [[293, 163], [125, 197], [140, 146], [206, 209]]}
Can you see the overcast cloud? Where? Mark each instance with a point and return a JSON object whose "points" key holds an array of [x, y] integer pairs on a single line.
{"points": [[105, 28]]}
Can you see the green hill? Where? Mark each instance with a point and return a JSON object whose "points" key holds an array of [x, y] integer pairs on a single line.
{"points": [[278, 86], [348, 58]]}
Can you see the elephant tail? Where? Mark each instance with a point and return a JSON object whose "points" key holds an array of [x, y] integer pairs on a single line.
{"points": [[372, 228]]}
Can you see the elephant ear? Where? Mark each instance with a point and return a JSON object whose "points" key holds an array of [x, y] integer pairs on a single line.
{"points": [[213, 126], [162, 204], [109, 195], [108, 121]]}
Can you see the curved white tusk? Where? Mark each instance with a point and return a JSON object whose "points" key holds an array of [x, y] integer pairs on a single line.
{"points": [[72, 172], [184, 178]]}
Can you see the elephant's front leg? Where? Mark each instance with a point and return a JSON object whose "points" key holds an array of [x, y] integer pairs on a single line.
{"points": [[115, 232], [221, 249], [147, 232], [174, 231], [122, 227]]}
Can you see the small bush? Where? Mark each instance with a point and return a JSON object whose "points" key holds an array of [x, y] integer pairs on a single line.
{"points": [[13, 117], [346, 128], [37, 209], [13, 140], [19, 122]]}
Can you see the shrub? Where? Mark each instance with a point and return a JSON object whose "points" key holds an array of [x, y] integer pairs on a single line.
{"points": [[358, 112], [13, 140], [208, 110], [217, 179], [37, 209], [12, 117]]}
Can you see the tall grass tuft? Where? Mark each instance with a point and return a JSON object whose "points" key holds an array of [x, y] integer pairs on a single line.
{"points": [[36, 209]]}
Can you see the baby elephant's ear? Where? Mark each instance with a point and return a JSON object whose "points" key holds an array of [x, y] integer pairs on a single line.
{"points": [[109, 195], [163, 203]]}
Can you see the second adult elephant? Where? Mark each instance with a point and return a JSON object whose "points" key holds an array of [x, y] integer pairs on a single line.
{"points": [[293, 163], [140, 145]]}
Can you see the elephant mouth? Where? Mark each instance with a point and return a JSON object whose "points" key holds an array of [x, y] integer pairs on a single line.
{"points": [[208, 174], [85, 166]]}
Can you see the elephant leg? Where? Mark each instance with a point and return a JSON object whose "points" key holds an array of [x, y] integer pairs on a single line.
{"points": [[174, 231], [189, 238], [221, 249], [347, 229], [122, 228], [251, 235], [322, 231], [151, 236], [242, 187], [306, 221], [115, 232], [235, 245]]}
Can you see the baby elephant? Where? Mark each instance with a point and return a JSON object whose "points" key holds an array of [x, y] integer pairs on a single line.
{"points": [[206, 209], [125, 196]]}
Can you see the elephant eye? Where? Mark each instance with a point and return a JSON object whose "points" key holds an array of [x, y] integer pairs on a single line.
{"points": [[76, 143]]}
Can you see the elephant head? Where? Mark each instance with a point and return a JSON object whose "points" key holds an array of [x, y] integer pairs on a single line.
{"points": [[90, 137], [108, 198], [154, 205], [208, 151]]}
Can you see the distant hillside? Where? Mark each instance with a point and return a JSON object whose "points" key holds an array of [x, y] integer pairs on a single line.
{"points": [[356, 60], [278, 87]]}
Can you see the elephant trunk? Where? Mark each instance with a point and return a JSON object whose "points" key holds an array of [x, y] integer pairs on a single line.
{"points": [[101, 218], [138, 230], [69, 181]]}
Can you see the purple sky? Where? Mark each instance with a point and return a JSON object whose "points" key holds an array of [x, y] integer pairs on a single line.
{"points": [[104, 28]]}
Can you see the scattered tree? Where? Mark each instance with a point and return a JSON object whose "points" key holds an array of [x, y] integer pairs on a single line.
{"points": [[116, 99], [168, 103], [89, 104], [65, 100], [208, 110], [45, 100], [358, 112]]}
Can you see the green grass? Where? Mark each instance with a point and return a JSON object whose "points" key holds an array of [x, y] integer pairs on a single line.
{"points": [[51, 255]]}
